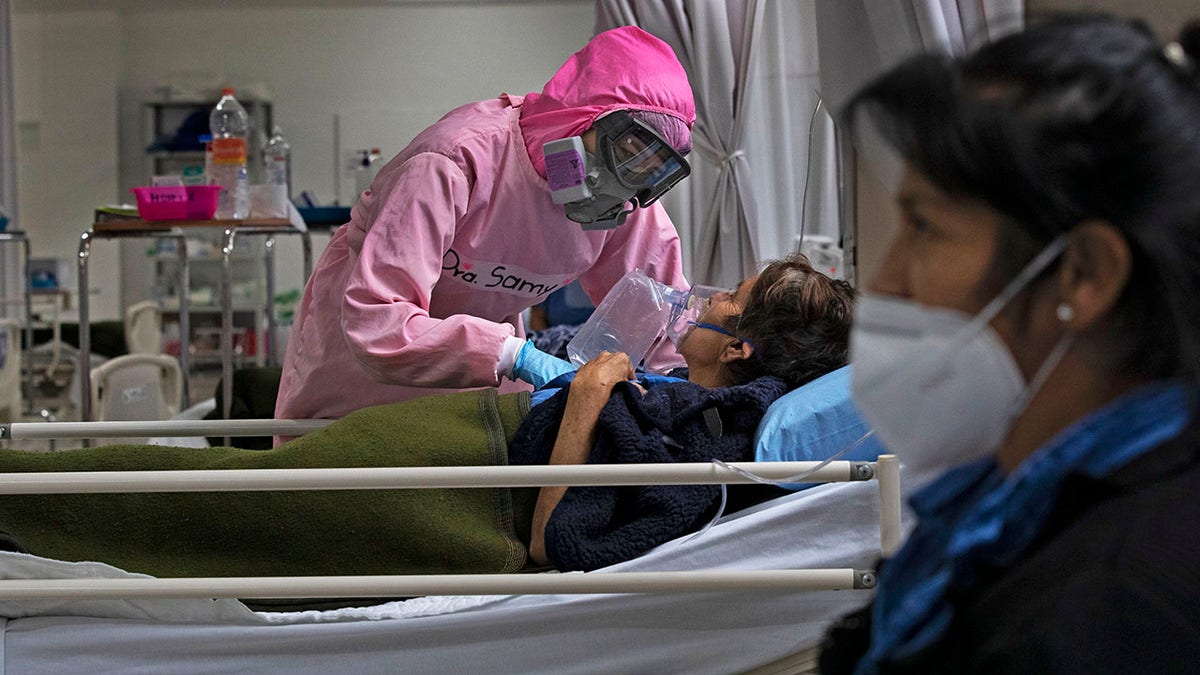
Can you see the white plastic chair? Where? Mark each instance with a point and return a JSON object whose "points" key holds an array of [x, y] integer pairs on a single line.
{"points": [[10, 370], [136, 387], [143, 328]]}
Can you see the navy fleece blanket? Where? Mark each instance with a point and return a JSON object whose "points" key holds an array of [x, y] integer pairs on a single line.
{"points": [[597, 526]]}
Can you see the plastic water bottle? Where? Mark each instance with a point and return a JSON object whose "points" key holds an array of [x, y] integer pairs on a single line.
{"points": [[230, 125], [633, 315], [277, 159]]}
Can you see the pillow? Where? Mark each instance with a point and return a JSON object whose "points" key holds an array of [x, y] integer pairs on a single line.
{"points": [[813, 422]]}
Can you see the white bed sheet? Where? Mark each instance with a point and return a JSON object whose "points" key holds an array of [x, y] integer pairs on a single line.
{"points": [[835, 525]]}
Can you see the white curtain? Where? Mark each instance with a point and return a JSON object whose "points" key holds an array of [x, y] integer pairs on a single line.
{"points": [[768, 76], [860, 39], [765, 166], [791, 140], [715, 41], [10, 275]]}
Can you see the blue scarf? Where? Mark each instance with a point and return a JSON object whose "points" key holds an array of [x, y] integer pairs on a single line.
{"points": [[975, 518]]}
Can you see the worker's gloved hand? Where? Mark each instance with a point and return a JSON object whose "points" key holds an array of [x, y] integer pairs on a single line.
{"points": [[537, 367]]}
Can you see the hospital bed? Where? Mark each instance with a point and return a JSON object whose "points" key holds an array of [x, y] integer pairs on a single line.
{"points": [[754, 590]]}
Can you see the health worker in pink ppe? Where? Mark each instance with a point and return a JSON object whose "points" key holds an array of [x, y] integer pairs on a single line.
{"points": [[472, 223]]}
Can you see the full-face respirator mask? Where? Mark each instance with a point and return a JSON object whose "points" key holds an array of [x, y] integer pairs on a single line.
{"points": [[632, 163]]}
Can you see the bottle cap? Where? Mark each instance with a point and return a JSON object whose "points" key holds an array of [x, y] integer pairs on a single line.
{"points": [[227, 91]]}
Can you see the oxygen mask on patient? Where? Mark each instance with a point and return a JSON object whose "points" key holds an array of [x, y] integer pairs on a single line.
{"points": [[687, 310], [637, 312]]}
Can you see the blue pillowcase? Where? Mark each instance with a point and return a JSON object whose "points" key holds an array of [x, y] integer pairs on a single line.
{"points": [[807, 424], [813, 422]]}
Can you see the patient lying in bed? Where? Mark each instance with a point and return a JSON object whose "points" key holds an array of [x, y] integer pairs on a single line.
{"points": [[778, 330]]}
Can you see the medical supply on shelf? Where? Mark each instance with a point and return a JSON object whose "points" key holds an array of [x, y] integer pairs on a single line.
{"points": [[178, 202], [193, 174], [268, 201], [230, 125], [277, 160], [629, 319], [824, 254]]}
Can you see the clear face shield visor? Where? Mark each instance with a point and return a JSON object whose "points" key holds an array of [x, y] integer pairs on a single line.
{"points": [[632, 163], [639, 158]]}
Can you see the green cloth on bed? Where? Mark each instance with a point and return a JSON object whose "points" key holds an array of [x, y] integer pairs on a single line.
{"points": [[329, 532]]}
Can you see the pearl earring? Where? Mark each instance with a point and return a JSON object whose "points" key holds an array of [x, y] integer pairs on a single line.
{"points": [[1064, 312]]}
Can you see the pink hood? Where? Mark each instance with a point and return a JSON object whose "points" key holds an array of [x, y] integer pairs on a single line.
{"points": [[623, 68]]}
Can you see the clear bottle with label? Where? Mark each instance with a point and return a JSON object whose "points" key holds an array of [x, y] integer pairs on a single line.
{"points": [[277, 160], [630, 319], [230, 125]]}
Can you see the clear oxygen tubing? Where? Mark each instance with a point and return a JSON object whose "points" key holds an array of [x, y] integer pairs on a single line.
{"points": [[808, 166], [780, 482]]}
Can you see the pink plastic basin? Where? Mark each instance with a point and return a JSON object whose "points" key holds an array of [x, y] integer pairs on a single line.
{"points": [[191, 202]]}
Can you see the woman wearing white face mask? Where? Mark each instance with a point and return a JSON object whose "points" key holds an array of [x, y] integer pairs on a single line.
{"points": [[1031, 340]]}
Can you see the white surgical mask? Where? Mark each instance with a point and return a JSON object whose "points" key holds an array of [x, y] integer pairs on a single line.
{"points": [[939, 387]]}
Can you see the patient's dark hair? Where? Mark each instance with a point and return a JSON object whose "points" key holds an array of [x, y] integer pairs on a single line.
{"points": [[1083, 117], [798, 320]]}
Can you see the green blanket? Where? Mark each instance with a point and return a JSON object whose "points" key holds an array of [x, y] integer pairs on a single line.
{"points": [[330, 532]]}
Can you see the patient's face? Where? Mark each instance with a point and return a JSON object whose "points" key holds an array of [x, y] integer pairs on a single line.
{"points": [[702, 348]]}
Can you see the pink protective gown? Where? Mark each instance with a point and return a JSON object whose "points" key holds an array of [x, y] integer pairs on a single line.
{"points": [[458, 235]]}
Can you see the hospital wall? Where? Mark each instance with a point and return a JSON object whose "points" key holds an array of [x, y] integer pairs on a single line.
{"points": [[376, 73], [874, 212], [364, 75], [65, 74]]}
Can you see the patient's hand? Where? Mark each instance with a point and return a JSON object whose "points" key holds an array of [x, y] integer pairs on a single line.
{"points": [[589, 391], [598, 376]]}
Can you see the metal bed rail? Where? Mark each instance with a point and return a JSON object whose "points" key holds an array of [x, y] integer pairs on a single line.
{"points": [[118, 429], [885, 470], [411, 585], [420, 477]]}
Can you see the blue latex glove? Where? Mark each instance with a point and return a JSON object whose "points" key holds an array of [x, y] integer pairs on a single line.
{"points": [[537, 367]]}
